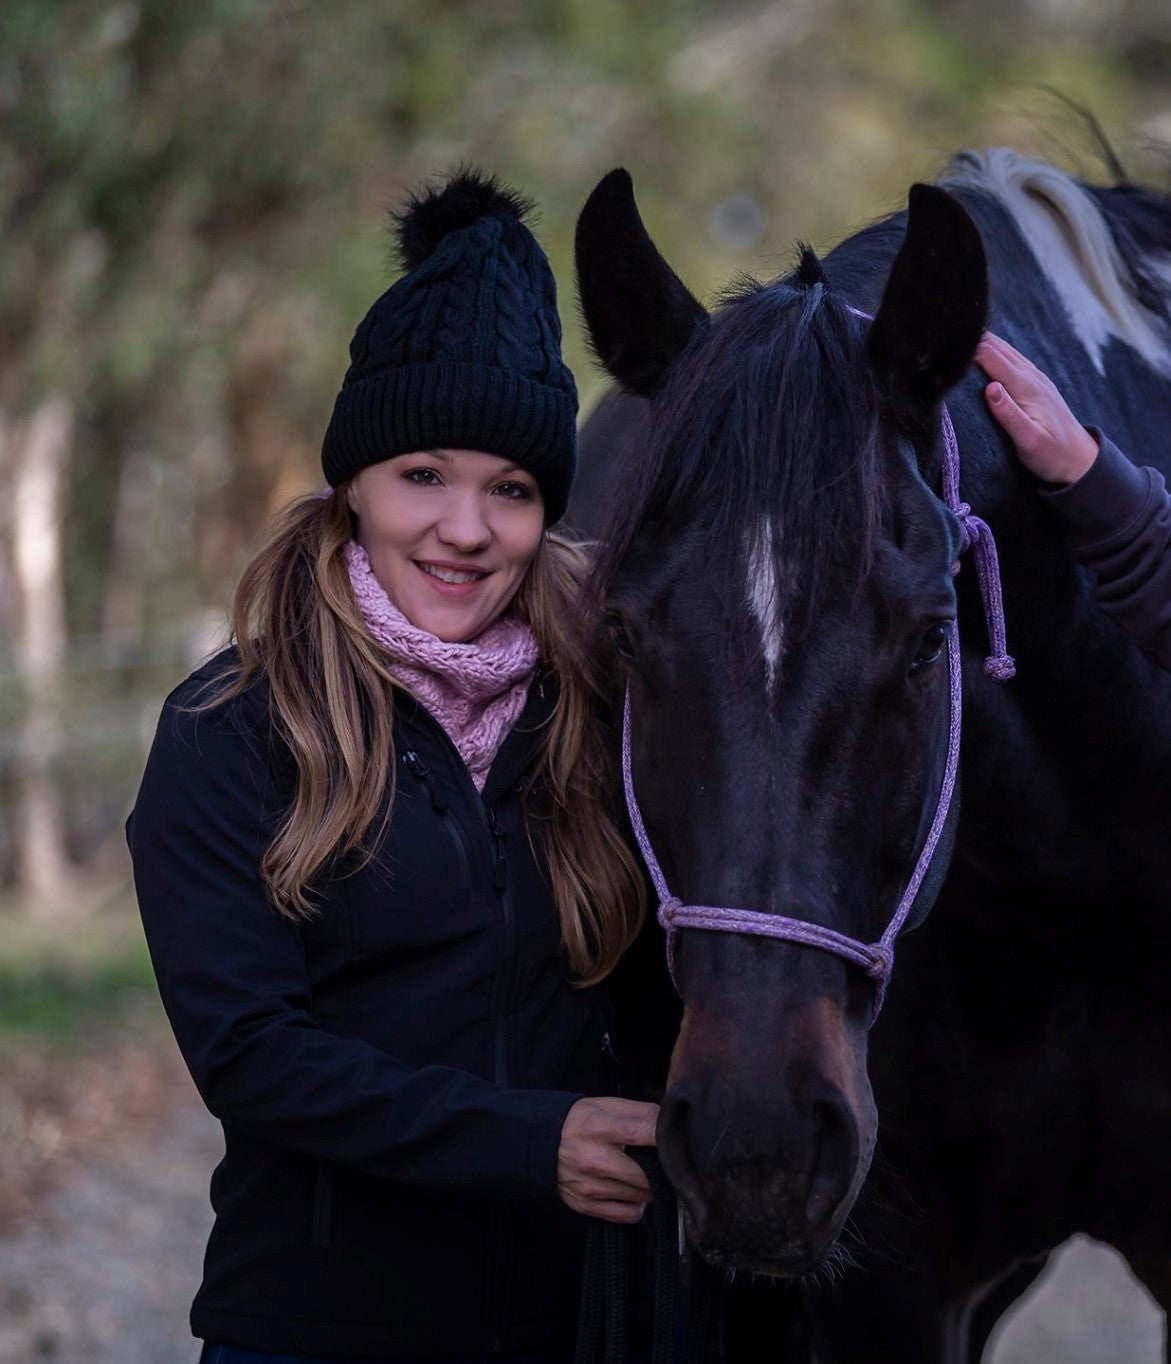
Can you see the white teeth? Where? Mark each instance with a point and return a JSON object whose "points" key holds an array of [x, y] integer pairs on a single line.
{"points": [[448, 575]]}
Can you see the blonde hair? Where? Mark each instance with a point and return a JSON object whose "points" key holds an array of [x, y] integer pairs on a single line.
{"points": [[295, 621]]}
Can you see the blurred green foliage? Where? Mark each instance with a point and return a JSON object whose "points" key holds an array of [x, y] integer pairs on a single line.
{"points": [[180, 180], [63, 980], [57, 1004]]}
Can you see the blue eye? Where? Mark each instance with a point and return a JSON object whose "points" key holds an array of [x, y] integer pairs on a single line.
{"points": [[424, 477]]}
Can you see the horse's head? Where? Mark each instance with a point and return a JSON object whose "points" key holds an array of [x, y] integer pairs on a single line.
{"points": [[778, 579]]}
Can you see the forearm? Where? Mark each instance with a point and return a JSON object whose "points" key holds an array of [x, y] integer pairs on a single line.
{"points": [[283, 1078], [1118, 519]]}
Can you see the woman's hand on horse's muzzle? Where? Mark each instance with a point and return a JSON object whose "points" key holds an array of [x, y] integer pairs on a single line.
{"points": [[595, 1176]]}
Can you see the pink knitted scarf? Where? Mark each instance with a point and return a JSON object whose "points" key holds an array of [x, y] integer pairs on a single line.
{"points": [[475, 690]]}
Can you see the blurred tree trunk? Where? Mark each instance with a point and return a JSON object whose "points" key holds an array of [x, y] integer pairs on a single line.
{"points": [[38, 451], [124, 600]]}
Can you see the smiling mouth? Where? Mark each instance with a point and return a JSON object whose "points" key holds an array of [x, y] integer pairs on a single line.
{"points": [[454, 577]]}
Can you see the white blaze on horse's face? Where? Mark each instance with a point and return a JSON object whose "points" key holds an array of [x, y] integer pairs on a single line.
{"points": [[764, 595]]}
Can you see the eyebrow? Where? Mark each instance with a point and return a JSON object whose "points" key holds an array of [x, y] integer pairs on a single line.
{"points": [[444, 457]]}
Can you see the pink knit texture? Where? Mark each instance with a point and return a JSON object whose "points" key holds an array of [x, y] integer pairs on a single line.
{"points": [[475, 690]]}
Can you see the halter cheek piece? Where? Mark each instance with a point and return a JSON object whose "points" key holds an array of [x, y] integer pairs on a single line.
{"points": [[876, 958]]}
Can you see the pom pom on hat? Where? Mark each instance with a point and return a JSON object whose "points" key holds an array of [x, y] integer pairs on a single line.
{"points": [[430, 215]]}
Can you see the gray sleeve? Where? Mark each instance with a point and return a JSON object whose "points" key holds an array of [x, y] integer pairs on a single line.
{"points": [[1118, 519]]}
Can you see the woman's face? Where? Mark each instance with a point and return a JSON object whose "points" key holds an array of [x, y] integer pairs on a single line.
{"points": [[449, 535]]}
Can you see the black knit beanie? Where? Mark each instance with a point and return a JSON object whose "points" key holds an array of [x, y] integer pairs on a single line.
{"points": [[464, 350]]}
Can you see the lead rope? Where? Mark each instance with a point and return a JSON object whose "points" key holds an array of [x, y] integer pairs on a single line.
{"points": [[604, 1317]]}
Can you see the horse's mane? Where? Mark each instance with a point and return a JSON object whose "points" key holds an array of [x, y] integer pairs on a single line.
{"points": [[766, 435]]}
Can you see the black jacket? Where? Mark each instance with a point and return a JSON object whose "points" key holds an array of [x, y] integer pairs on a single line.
{"points": [[1118, 516], [392, 1075]]}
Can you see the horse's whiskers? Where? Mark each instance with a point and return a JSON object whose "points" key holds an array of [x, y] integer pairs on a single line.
{"points": [[832, 1269]]}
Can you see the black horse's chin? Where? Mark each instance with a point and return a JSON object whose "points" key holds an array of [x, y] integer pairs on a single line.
{"points": [[753, 1247], [751, 1219]]}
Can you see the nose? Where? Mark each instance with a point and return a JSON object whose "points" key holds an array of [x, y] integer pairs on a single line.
{"points": [[465, 525], [765, 1182]]}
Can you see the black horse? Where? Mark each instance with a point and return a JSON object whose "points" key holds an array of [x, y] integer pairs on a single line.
{"points": [[778, 577]]}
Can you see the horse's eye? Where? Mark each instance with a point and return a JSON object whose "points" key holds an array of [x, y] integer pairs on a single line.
{"points": [[617, 632], [931, 645]]}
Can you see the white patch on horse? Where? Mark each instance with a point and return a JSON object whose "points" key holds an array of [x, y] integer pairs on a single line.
{"points": [[764, 596], [1071, 240]]}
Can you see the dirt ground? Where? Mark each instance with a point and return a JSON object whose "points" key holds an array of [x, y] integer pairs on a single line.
{"points": [[104, 1164]]}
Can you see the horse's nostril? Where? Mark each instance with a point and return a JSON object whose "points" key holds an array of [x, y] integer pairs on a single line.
{"points": [[673, 1113], [835, 1159], [675, 1136]]}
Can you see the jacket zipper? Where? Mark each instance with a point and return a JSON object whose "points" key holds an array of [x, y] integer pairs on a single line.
{"points": [[614, 1069], [501, 999], [500, 994], [322, 1205], [503, 990], [499, 881], [454, 829], [423, 773]]}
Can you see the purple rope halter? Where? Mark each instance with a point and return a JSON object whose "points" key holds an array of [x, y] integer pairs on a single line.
{"points": [[876, 958], [978, 538]]}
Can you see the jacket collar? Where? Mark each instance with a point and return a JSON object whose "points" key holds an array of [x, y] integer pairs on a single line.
{"points": [[521, 744]]}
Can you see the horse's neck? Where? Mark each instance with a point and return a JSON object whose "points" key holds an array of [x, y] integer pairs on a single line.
{"points": [[1064, 763]]}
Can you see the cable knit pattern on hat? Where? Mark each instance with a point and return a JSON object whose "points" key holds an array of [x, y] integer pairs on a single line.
{"points": [[475, 690], [463, 351]]}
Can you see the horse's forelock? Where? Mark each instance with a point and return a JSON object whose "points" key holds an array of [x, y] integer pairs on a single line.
{"points": [[767, 430]]}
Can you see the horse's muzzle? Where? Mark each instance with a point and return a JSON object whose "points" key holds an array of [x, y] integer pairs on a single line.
{"points": [[765, 1186]]}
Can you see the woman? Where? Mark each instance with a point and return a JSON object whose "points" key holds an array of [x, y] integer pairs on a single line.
{"points": [[378, 875]]}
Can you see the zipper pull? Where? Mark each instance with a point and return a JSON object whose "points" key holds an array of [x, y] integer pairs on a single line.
{"points": [[423, 775], [499, 832], [611, 1058]]}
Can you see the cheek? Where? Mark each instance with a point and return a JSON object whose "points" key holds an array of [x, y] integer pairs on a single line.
{"points": [[383, 525], [524, 539]]}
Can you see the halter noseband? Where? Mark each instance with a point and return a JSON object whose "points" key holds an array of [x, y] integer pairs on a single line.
{"points": [[876, 958]]}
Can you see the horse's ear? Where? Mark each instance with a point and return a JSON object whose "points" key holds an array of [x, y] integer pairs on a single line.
{"points": [[932, 313], [639, 314]]}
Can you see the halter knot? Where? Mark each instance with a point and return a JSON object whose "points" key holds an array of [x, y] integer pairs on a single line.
{"points": [[882, 961], [667, 911], [1000, 667], [976, 531], [977, 536]]}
